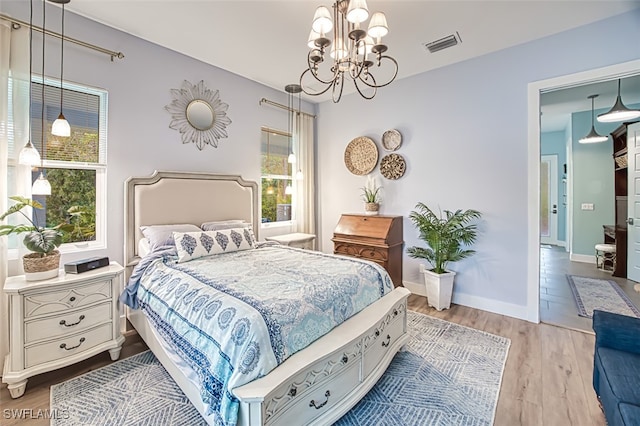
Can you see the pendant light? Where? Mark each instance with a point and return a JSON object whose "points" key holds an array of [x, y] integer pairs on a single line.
{"points": [[42, 186], [291, 89], [29, 155], [593, 136], [618, 112], [61, 126]]}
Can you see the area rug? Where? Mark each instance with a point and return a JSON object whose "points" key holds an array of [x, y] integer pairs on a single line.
{"points": [[446, 375], [604, 295]]}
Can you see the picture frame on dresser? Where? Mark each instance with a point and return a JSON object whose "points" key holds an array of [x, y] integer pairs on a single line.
{"points": [[57, 322]]}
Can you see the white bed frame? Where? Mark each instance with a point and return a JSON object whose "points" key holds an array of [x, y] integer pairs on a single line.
{"points": [[314, 386]]}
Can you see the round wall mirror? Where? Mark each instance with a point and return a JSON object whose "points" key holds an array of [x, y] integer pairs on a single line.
{"points": [[200, 114]]}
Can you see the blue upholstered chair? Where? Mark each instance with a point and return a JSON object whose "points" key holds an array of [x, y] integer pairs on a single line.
{"points": [[616, 367]]}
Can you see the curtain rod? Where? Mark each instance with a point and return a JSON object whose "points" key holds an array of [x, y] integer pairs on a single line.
{"points": [[275, 104], [18, 22]]}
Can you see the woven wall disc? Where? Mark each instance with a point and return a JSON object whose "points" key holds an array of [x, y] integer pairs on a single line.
{"points": [[361, 156], [392, 166]]}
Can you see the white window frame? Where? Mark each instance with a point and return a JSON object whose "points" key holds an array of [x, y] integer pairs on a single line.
{"points": [[100, 243]]}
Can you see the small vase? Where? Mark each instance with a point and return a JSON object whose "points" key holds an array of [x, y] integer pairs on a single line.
{"points": [[371, 208]]}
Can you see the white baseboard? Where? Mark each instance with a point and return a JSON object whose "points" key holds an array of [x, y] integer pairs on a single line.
{"points": [[476, 302], [585, 258]]}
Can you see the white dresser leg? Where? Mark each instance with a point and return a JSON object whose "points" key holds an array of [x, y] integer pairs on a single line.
{"points": [[115, 353], [17, 388]]}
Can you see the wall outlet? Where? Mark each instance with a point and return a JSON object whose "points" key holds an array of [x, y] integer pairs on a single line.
{"points": [[587, 206]]}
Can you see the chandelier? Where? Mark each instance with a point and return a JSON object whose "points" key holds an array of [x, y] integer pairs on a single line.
{"points": [[354, 51]]}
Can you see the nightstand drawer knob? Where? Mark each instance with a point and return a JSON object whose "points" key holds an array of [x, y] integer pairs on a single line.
{"points": [[64, 322], [64, 345], [72, 299]]}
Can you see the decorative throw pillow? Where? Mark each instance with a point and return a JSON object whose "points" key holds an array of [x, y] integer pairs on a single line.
{"points": [[162, 235], [224, 224], [193, 245]]}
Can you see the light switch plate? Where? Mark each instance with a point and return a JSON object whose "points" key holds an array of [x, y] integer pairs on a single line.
{"points": [[587, 206]]}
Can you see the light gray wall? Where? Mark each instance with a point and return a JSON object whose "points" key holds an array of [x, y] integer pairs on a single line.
{"points": [[139, 138], [465, 143]]}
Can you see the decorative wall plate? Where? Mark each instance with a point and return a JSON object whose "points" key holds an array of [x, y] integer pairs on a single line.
{"points": [[361, 155], [391, 140], [392, 166]]}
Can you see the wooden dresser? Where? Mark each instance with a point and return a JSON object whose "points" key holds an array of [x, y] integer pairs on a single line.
{"points": [[376, 238]]}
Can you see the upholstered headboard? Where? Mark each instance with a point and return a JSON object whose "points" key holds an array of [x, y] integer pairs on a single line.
{"points": [[184, 197]]}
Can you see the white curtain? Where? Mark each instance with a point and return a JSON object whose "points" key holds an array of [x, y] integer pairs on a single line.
{"points": [[14, 65], [304, 209]]}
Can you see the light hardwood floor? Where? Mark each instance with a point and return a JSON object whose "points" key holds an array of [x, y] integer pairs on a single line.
{"points": [[547, 377], [557, 305]]}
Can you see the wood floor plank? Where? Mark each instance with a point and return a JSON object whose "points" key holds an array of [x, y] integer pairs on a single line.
{"points": [[546, 379]]}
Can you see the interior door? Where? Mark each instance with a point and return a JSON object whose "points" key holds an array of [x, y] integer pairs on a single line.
{"points": [[633, 206], [549, 199]]}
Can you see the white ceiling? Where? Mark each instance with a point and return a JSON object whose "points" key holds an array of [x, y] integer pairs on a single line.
{"points": [[265, 40]]}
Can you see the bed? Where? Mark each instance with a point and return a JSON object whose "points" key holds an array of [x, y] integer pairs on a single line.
{"points": [[315, 385]]}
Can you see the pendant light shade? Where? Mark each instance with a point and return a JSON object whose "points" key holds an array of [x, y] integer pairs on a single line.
{"points": [[593, 136], [29, 155], [618, 112], [288, 190], [41, 186], [61, 126]]}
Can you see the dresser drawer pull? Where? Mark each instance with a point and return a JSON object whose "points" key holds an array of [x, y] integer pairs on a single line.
{"points": [[327, 394], [64, 322], [345, 358], [386, 343], [377, 333], [395, 312], [72, 299], [64, 345], [293, 391]]}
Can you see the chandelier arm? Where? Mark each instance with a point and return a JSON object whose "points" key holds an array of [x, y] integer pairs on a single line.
{"points": [[337, 83], [310, 68], [375, 88], [392, 78], [328, 84]]}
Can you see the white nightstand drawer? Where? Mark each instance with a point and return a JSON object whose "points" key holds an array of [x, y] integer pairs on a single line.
{"points": [[63, 300], [67, 323], [67, 345]]}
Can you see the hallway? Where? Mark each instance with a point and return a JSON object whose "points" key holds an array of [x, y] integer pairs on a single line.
{"points": [[557, 306]]}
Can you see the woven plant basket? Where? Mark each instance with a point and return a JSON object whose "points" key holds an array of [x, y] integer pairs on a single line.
{"points": [[371, 208], [37, 267]]}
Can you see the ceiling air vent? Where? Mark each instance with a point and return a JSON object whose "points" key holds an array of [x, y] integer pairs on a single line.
{"points": [[443, 43]]}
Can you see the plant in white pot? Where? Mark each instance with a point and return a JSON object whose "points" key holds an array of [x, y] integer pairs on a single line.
{"points": [[371, 196], [448, 239], [44, 260]]}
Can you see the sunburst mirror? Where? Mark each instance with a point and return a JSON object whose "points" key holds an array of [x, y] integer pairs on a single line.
{"points": [[198, 114]]}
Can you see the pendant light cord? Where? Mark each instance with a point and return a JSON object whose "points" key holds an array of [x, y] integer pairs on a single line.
{"points": [[42, 97], [61, 58], [30, 64]]}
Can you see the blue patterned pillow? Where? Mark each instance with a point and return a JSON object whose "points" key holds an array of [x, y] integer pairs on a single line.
{"points": [[193, 245]]}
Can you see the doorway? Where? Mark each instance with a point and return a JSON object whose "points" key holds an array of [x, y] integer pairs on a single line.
{"points": [[535, 90]]}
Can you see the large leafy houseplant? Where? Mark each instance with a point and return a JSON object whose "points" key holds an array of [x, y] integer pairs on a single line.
{"points": [[448, 237], [38, 239]]}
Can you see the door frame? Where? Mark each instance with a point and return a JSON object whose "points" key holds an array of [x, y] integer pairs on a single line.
{"points": [[534, 90]]}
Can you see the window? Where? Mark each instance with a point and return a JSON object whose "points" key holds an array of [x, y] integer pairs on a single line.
{"points": [[75, 166], [276, 176]]}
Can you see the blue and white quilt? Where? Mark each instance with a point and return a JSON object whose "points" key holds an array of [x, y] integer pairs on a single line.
{"points": [[234, 317]]}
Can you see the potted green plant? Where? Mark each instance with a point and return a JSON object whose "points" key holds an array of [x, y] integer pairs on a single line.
{"points": [[448, 239], [371, 196], [44, 260]]}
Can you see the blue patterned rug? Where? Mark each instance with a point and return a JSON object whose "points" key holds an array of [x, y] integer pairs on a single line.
{"points": [[447, 375], [605, 295]]}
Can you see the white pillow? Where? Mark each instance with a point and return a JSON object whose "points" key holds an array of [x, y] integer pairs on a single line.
{"points": [[224, 224], [162, 235], [193, 245]]}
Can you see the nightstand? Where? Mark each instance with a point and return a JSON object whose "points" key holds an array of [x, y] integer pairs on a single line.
{"points": [[57, 322], [297, 239]]}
